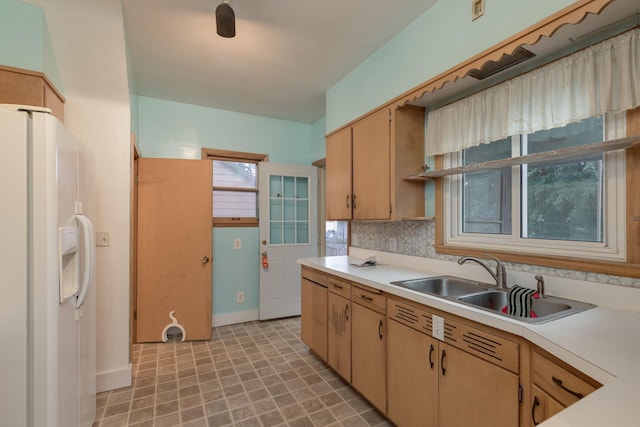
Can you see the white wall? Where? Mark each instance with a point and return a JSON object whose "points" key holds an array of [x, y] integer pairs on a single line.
{"points": [[89, 45]]}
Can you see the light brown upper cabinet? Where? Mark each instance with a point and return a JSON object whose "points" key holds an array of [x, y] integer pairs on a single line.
{"points": [[366, 163], [25, 87]]}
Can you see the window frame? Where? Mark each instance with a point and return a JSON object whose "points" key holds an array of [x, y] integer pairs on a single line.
{"points": [[629, 267], [235, 156], [612, 247]]}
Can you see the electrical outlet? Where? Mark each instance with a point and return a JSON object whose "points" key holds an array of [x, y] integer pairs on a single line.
{"points": [[103, 238], [240, 297], [477, 9], [237, 244], [437, 323]]}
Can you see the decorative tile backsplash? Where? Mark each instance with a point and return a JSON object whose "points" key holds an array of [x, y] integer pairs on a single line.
{"points": [[417, 238]]}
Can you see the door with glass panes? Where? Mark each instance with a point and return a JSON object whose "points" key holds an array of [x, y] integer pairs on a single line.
{"points": [[288, 231]]}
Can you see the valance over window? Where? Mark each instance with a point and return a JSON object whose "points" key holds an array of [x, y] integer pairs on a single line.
{"points": [[602, 78]]}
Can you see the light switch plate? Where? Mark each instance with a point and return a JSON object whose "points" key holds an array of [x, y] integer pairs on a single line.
{"points": [[437, 331], [103, 238], [237, 244], [477, 9]]}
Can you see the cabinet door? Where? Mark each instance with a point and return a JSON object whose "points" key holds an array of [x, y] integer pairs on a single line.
{"points": [[371, 167], [412, 377], [339, 336], [474, 392], [368, 370], [313, 323], [543, 406], [338, 193]]}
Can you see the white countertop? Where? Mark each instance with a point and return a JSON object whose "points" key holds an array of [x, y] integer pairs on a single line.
{"points": [[602, 342]]}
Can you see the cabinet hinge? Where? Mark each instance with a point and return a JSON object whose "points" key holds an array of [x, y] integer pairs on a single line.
{"points": [[520, 394], [390, 208], [389, 115]]}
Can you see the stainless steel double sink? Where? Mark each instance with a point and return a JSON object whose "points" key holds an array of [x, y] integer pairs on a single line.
{"points": [[490, 298]]}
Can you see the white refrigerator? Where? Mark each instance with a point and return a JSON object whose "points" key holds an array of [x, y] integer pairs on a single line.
{"points": [[47, 307]]}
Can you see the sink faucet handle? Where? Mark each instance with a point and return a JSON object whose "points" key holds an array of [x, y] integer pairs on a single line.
{"points": [[540, 285]]}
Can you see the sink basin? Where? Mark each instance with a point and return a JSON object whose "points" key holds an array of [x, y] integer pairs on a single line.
{"points": [[546, 309], [488, 297], [446, 286]]}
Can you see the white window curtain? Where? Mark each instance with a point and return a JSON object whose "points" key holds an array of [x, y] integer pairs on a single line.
{"points": [[604, 77]]}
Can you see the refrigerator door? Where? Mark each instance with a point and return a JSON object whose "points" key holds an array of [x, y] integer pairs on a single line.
{"points": [[14, 306]]}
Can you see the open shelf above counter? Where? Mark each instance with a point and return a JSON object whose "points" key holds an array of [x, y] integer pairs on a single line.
{"points": [[560, 154]]}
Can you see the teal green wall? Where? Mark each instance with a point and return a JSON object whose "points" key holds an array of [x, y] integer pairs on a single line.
{"points": [[318, 150], [25, 41], [439, 39], [175, 130], [235, 270]]}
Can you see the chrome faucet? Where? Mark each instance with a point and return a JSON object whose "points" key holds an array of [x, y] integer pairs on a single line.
{"points": [[500, 276]]}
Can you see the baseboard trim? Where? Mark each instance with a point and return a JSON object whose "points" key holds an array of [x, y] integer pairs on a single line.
{"points": [[113, 379], [237, 317]]}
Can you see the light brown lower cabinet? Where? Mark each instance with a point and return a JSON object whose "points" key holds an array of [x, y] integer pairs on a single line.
{"points": [[313, 323], [477, 376], [555, 385], [435, 384], [368, 355], [412, 377], [543, 406], [339, 335], [474, 392]]}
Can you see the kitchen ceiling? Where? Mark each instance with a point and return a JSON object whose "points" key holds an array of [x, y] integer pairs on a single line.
{"points": [[286, 55]]}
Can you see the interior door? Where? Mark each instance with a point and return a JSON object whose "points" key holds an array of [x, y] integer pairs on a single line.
{"points": [[174, 249], [288, 231]]}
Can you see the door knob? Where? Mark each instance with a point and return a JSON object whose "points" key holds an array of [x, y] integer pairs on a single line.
{"points": [[205, 259]]}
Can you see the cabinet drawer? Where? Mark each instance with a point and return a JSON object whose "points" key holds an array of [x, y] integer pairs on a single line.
{"points": [[492, 348], [369, 297], [314, 275], [560, 383], [415, 317], [340, 286]]}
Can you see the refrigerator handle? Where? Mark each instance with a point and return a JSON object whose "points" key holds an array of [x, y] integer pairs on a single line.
{"points": [[88, 248]]}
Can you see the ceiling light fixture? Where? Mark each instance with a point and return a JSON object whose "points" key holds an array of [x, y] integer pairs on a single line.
{"points": [[225, 20]]}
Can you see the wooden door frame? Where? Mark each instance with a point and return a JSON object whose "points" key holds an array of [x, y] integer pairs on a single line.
{"points": [[133, 242]]}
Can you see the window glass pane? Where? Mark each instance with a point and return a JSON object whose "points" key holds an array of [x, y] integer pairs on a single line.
{"points": [[336, 233], [227, 204], [289, 232], [563, 200], [302, 188], [289, 187], [275, 233], [275, 186], [230, 203], [302, 210], [234, 174], [289, 209], [275, 209], [302, 232], [486, 198]]}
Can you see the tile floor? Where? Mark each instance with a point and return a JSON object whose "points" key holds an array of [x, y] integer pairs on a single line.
{"points": [[250, 374]]}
